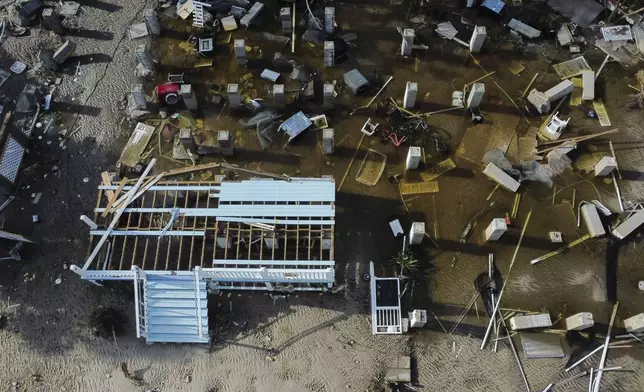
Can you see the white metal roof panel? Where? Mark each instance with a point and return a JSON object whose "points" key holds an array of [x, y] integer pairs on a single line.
{"points": [[257, 210], [171, 311], [233, 212], [617, 33], [274, 191]]}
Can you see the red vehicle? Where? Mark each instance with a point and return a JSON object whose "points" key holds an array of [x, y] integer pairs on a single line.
{"points": [[168, 93]]}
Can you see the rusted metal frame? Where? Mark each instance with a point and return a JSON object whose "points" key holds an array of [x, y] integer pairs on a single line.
{"points": [[250, 236], [310, 238], [274, 242], [115, 197], [285, 240], [238, 241], [261, 242], [297, 238], [127, 226], [332, 248], [156, 255], [147, 239], [96, 216], [194, 227], [227, 239], [203, 244], [183, 221], [167, 253], [321, 240], [136, 239]]}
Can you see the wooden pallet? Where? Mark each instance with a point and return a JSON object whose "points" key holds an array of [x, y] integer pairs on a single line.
{"points": [[602, 114], [372, 167], [440, 169], [418, 188]]}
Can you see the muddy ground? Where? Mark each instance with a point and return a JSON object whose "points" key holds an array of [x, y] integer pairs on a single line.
{"points": [[315, 342]]}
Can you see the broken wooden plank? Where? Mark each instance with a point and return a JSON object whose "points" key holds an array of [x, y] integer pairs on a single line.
{"points": [[563, 248], [118, 214], [575, 97], [190, 169], [115, 194], [107, 180]]}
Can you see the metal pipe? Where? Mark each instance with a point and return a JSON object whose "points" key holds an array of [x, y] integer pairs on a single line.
{"points": [[312, 16], [119, 212], [197, 279], [379, 91], [6, 203], [574, 365], [514, 349], [498, 301], [143, 233], [293, 31], [602, 361], [320, 263], [490, 268], [612, 151], [167, 187], [619, 194]]}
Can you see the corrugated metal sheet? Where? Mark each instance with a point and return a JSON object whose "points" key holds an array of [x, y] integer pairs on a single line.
{"points": [[541, 345], [296, 124], [171, 311], [314, 211], [11, 159], [277, 191], [617, 33], [494, 5]]}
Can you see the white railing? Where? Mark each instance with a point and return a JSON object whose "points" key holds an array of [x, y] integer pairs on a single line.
{"points": [[384, 319], [197, 279], [140, 308], [271, 275], [388, 320], [261, 275]]}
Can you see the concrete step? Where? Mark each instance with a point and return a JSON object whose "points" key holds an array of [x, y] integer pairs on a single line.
{"points": [[179, 330], [176, 294], [174, 285], [176, 312], [174, 303], [165, 320], [177, 339]]}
